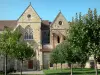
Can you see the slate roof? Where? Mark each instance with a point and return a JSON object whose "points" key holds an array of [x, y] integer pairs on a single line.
{"points": [[8, 23], [45, 24]]}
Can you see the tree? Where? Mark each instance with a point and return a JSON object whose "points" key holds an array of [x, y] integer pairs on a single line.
{"points": [[57, 55], [78, 38], [76, 43], [6, 44], [54, 56], [61, 56], [22, 52], [84, 57], [70, 55], [93, 33], [64, 53], [84, 34]]}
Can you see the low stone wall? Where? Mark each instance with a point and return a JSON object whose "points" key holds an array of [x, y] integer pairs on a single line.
{"points": [[89, 64]]}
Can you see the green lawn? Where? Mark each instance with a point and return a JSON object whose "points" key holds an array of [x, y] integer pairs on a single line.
{"points": [[67, 72]]}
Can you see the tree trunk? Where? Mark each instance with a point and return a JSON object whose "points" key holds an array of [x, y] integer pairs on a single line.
{"points": [[6, 64], [56, 66], [71, 69], [61, 66], [81, 66], [95, 63], [21, 66], [36, 65]]}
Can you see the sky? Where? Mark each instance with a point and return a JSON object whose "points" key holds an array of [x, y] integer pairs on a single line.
{"points": [[46, 9]]}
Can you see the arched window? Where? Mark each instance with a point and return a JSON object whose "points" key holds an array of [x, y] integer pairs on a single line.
{"points": [[64, 38], [28, 33], [58, 39]]}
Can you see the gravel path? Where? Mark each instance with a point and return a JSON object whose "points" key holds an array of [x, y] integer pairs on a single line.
{"points": [[30, 72]]}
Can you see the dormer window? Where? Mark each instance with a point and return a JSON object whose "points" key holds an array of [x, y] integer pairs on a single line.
{"points": [[29, 16], [28, 33]]}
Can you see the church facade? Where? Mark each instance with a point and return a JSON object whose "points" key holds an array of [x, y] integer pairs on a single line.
{"points": [[45, 34]]}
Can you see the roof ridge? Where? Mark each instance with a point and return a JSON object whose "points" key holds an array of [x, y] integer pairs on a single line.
{"points": [[8, 20], [26, 9], [56, 17]]}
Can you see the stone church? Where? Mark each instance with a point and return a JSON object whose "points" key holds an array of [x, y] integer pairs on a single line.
{"points": [[46, 35]]}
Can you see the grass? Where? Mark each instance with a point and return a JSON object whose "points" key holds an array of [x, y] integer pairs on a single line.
{"points": [[75, 72]]}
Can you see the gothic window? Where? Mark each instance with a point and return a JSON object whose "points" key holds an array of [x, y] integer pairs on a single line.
{"points": [[28, 33]]}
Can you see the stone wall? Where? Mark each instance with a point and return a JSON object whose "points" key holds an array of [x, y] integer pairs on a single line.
{"points": [[34, 22], [10, 63]]}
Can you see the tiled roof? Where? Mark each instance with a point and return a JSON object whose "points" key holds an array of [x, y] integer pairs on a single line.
{"points": [[46, 22], [8, 23]]}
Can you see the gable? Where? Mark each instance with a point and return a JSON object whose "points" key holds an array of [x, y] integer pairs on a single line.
{"points": [[60, 22], [29, 15]]}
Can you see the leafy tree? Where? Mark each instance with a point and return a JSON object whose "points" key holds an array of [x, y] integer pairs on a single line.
{"points": [[7, 41], [79, 39], [54, 56], [64, 53], [84, 57], [76, 43], [70, 55], [22, 52], [93, 33], [84, 34], [61, 57], [57, 55]]}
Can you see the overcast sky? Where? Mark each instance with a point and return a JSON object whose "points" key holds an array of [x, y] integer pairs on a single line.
{"points": [[46, 9]]}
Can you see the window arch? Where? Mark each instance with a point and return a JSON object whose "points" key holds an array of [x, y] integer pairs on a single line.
{"points": [[58, 39], [28, 33]]}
